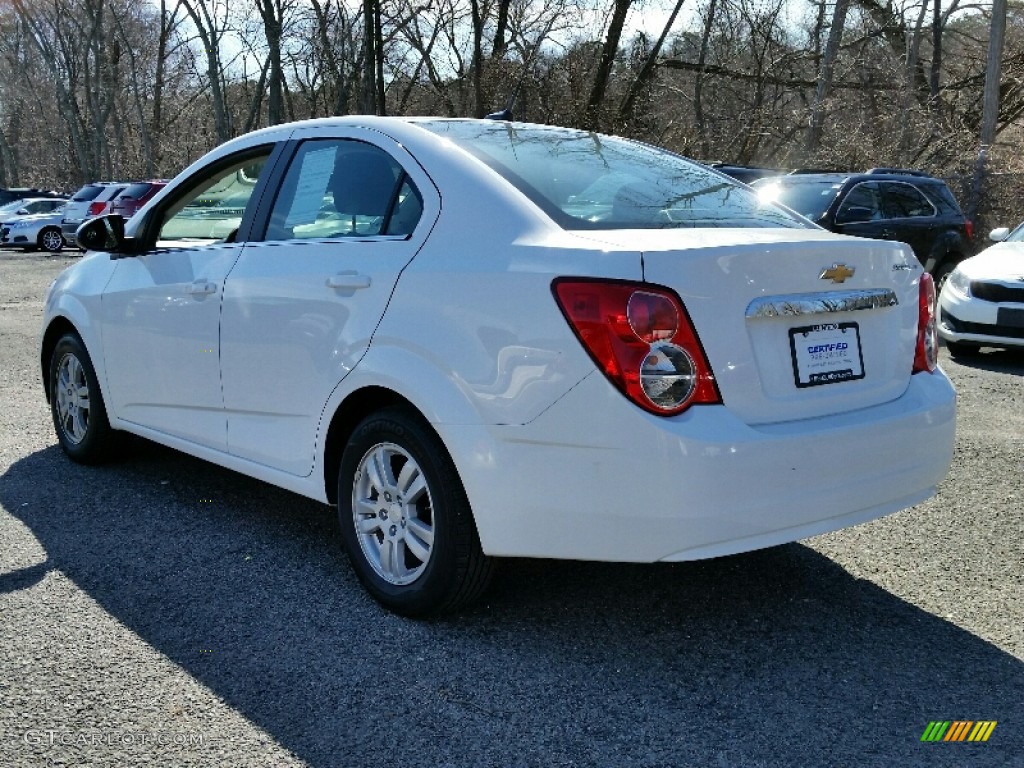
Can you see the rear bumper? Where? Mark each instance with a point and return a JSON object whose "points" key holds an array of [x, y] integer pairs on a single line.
{"points": [[69, 230], [595, 478]]}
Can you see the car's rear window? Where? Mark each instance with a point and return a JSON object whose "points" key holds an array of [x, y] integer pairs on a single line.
{"points": [[135, 191], [86, 193], [589, 181], [808, 198]]}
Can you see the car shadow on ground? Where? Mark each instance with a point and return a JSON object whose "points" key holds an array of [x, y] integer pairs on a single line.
{"points": [[989, 359], [776, 658]]}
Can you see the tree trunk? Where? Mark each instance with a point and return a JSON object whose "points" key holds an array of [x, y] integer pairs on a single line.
{"points": [[835, 37], [698, 82], [604, 67], [649, 67]]}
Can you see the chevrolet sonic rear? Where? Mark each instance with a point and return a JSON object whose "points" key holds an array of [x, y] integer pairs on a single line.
{"points": [[483, 339]]}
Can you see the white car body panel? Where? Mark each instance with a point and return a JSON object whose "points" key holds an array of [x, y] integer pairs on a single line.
{"points": [[161, 313], [288, 337], [460, 321], [702, 484]]}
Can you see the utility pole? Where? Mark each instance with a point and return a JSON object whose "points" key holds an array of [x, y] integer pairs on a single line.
{"points": [[990, 112]]}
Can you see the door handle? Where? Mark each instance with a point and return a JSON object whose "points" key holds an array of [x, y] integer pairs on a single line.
{"points": [[202, 288], [348, 280]]}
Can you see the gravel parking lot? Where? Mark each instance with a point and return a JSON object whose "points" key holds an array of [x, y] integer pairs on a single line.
{"points": [[162, 611]]}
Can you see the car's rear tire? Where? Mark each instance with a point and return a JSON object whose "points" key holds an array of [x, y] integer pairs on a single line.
{"points": [[50, 240], [405, 519], [76, 403]]}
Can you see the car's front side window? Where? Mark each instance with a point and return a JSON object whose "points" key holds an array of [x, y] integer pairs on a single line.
{"points": [[211, 207], [342, 188], [861, 204]]}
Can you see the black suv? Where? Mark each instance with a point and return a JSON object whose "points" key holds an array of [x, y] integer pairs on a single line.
{"points": [[883, 203]]}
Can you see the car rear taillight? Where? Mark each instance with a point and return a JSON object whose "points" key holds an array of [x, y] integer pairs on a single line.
{"points": [[95, 209], [642, 338], [969, 229], [927, 353]]}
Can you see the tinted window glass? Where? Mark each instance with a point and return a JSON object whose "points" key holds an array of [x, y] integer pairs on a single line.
{"points": [[135, 191], [904, 201], [863, 203], [588, 181], [810, 199], [86, 193], [339, 188]]}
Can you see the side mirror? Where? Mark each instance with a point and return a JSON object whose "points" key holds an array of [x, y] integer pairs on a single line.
{"points": [[21, 212], [853, 214], [104, 233], [999, 234]]}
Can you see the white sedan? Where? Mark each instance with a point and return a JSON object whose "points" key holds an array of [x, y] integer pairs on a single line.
{"points": [[483, 339], [982, 302]]}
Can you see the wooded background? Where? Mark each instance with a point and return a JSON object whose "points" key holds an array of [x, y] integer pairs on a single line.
{"points": [[123, 89]]}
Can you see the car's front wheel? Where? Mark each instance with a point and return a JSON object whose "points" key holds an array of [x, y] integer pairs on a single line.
{"points": [[79, 415], [405, 519], [51, 240]]}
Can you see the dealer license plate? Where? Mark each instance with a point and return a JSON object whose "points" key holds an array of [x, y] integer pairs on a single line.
{"points": [[826, 354]]}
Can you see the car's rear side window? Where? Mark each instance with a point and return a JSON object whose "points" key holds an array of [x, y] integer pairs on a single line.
{"points": [[135, 191], [343, 188], [589, 181], [87, 193]]}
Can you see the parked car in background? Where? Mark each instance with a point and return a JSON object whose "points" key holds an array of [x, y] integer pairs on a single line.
{"points": [[885, 204], [31, 205], [982, 302], [134, 196], [10, 195], [33, 231], [91, 200], [748, 174], [480, 338]]}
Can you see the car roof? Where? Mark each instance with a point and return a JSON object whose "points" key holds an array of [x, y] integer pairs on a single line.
{"points": [[876, 174]]}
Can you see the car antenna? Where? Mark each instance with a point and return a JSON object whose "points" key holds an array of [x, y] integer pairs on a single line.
{"points": [[506, 113]]}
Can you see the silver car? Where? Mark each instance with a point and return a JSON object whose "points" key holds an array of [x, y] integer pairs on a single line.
{"points": [[40, 231]]}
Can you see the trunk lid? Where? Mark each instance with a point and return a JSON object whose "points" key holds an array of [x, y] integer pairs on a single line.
{"points": [[784, 341]]}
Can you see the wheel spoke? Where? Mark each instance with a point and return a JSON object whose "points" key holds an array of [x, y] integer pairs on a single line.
{"points": [[366, 525], [381, 475], [422, 531], [411, 483], [420, 549], [389, 558], [79, 423]]}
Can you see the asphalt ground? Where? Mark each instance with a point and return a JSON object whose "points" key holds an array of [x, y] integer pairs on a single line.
{"points": [[162, 611]]}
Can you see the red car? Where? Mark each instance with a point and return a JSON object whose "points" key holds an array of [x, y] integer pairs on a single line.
{"points": [[134, 196]]}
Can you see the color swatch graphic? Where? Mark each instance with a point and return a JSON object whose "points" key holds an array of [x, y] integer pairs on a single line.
{"points": [[958, 730]]}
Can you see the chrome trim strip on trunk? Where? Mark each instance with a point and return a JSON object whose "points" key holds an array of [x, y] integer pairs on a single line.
{"points": [[821, 303]]}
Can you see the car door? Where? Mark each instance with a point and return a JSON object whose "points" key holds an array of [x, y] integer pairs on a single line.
{"points": [[910, 216], [860, 212], [303, 301], [161, 308]]}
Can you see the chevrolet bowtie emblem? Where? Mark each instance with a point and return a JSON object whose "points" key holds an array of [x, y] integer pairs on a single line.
{"points": [[837, 273]]}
